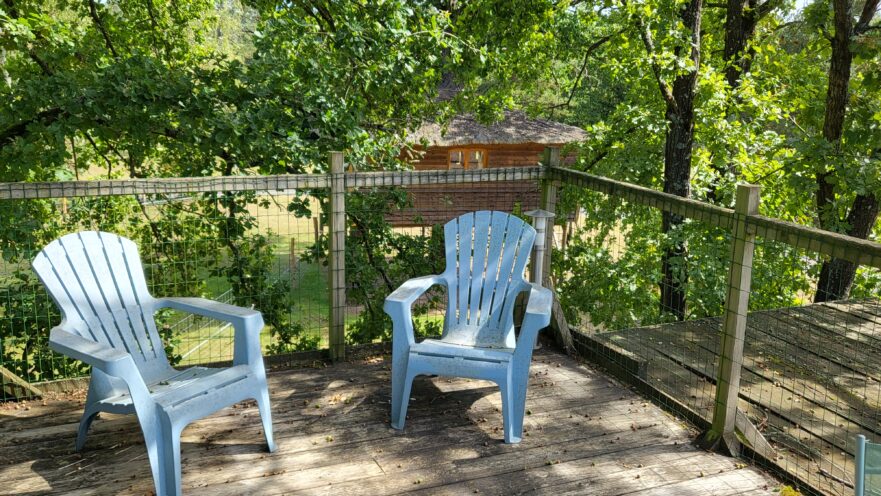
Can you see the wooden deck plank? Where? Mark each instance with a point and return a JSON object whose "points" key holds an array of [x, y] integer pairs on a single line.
{"points": [[616, 472], [811, 378], [820, 438], [772, 377], [354, 425], [582, 427]]}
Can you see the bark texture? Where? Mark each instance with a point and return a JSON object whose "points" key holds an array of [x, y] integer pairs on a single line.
{"points": [[837, 275], [677, 166]]}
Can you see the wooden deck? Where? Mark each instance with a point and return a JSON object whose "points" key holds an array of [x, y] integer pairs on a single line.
{"points": [[811, 379], [585, 435]]}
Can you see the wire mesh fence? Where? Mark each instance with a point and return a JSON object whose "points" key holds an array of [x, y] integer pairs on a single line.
{"points": [[655, 287], [247, 247], [795, 367], [810, 379], [618, 260], [263, 243]]}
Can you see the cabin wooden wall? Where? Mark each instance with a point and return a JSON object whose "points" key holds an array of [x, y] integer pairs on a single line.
{"points": [[437, 204], [520, 155]]}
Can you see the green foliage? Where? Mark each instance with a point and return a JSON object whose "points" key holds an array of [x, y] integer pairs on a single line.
{"points": [[378, 260], [28, 316], [253, 286], [198, 88], [766, 131]]}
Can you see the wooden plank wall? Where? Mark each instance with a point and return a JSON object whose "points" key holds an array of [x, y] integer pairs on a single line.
{"points": [[437, 204], [519, 155]]}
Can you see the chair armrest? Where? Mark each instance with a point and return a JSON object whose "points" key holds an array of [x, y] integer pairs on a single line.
{"points": [[398, 306], [411, 290], [536, 318], [109, 360], [247, 323], [538, 309], [210, 308]]}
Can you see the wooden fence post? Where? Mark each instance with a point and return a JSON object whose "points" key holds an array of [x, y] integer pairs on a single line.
{"points": [[549, 188], [337, 258], [551, 158], [726, 417]]}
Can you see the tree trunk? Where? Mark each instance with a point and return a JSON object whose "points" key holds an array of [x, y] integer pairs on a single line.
{"points": [[740, 24], [677, 181], [677, 170], [741, 19], [836, 275]]}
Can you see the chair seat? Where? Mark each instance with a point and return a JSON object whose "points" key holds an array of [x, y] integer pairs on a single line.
{"points": [[186, 385], [442, 348], [482, 336]]}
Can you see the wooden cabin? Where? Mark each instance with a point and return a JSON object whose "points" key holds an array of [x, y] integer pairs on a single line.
{"points": [[466, 144]]}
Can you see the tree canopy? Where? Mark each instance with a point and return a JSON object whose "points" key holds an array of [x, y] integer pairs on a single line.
{"points": [[690, 97]]}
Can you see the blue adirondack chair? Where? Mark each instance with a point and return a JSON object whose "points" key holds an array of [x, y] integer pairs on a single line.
{"points": [[97, 281], [868, 468], [486, 253]]}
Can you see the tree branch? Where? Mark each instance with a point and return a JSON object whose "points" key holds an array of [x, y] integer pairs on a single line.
{"points": [[607, 145], [100, 153], [869, 9], [93, 12], [325, 14], [765, 8], [13, 13], [368, 249], [646, 35], [156, 32], [19, 129], [587, 53]]}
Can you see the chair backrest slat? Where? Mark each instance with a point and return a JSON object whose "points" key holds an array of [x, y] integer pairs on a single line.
{"points": [[478, 265], [465, 241], [98, 282], [114, 288], [494, 258], [54, 276], [76, 274], [508, 277], [116, 252], [486, 255]]}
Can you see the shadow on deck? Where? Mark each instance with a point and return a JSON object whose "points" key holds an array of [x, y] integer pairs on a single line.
{"points": [[811, 379], [585, 435]]}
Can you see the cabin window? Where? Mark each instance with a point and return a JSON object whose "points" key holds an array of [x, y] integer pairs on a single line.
{"points": [[467, 158]]}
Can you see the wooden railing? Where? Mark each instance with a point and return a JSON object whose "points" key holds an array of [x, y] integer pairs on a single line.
{"points": [[743, 222]]}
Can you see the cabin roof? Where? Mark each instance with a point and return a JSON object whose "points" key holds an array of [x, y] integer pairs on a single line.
{"points": [[515, 128]]}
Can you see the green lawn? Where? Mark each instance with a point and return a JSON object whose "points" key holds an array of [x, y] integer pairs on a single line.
{"points": [[309, 294]]}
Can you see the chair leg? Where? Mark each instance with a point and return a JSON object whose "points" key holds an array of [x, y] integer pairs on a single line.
{"points": [[521, 381], [154, 442], [266, 417], [91, 410], [514, 404], [88, 416], [508, 412], [402, 383], [171, 459]]}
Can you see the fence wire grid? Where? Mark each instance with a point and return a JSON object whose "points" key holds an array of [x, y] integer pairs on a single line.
{"points": [[652, 286], [808, 378]]}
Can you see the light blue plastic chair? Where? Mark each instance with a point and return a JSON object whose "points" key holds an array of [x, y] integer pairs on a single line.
{"points": [[868, 466], [97, 281], [486, 253]]}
